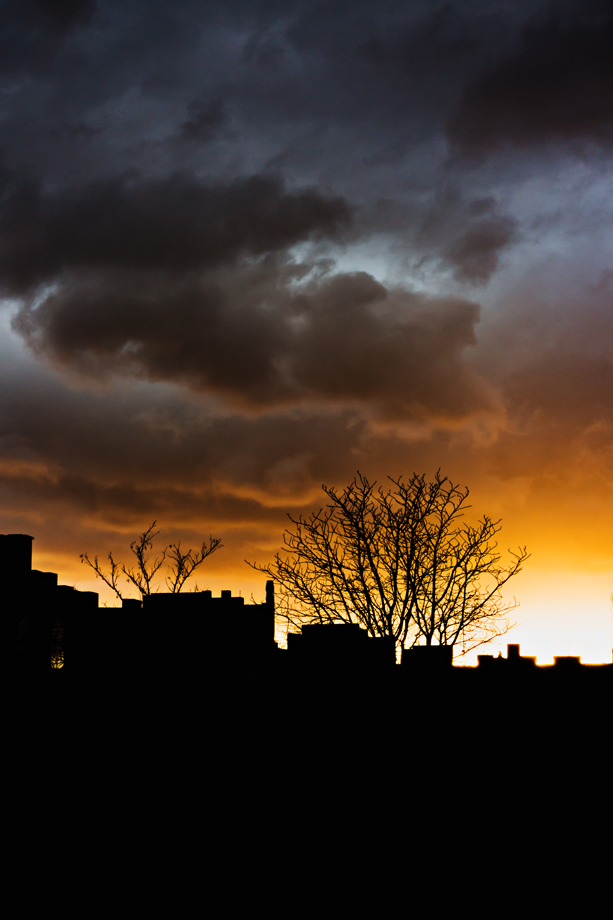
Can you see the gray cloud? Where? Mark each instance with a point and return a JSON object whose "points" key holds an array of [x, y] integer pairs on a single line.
{"points": [[257, 335], [31, 32], [177, 224], [557, 87], [475, 253], [204, 121], [60, 15], [467, 235], [128, 454]]}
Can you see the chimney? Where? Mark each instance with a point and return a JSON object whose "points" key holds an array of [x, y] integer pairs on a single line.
{"points": [[15, 557]]}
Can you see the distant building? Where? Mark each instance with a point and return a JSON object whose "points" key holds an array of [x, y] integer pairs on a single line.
{"points": [[44, 621], [338, 645]]}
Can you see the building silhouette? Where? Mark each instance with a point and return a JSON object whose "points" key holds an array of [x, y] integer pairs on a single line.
{"points": [[192, 636]]}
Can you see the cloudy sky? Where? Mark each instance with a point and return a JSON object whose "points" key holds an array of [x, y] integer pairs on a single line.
{"points": [[249, 247]]}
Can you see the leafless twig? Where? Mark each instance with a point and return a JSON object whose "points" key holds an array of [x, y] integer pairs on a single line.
{"points": [[180, 565]]}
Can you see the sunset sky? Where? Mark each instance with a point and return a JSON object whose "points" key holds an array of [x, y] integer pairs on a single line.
{"points": [[250, 247]]}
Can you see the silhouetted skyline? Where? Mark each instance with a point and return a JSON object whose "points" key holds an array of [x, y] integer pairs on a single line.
{"points": [[52, 627]]}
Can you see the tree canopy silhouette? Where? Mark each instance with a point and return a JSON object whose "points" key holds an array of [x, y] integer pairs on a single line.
{"points": [[399, 563], [180, 566]]}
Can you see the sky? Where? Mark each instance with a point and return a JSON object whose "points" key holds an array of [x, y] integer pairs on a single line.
{"points": [[250, 248]]}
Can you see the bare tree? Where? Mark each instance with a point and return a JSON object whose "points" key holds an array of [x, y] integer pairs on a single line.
{"points": [[397, 562], [180, 565], [183, 564], [110, 578]]}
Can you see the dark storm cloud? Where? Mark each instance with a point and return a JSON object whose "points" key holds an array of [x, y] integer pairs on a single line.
{"points": [[182, 281], [475, 253], [557, 87], [354, 81], [375, 79], [60, 15], [551, 358], [145, 237], [561, 425], [260, 337], [392, 348], [31, 32], [128, 453], [467, 235], [177, 224], [205, 119]]}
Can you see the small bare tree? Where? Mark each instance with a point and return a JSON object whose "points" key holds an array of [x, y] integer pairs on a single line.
{"points": [[180, 565], [398, 563], [183, 564]]}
